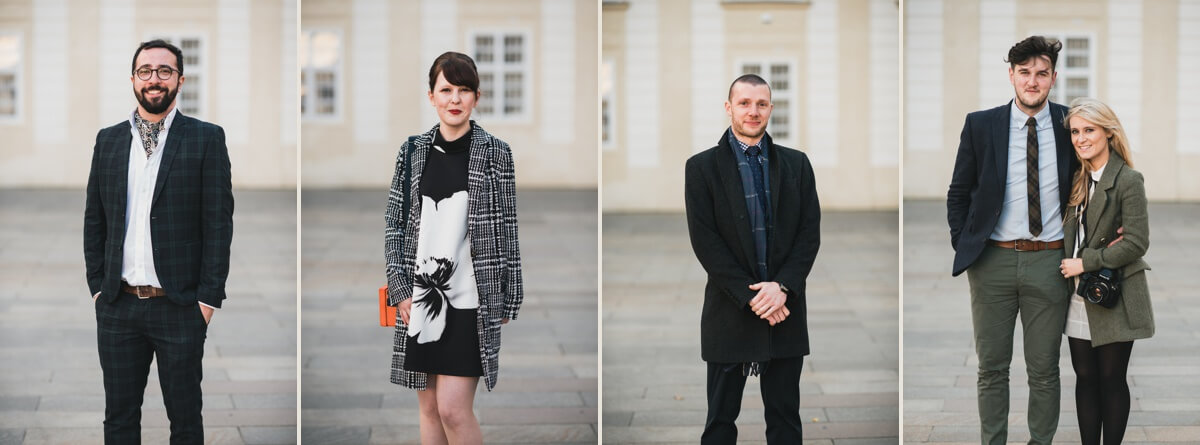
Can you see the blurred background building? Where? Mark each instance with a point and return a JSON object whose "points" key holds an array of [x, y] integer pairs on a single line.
{"points": [[365, 67], [833, 68], [1139, 57], [65, 74]]}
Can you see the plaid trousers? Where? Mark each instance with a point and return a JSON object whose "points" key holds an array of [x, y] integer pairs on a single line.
{"points": [[130, 332]]}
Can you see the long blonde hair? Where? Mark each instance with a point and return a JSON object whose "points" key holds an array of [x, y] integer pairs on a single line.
{"points": [[1098, 113]]}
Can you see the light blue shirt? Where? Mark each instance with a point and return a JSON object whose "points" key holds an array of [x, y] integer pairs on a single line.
{"points": [[1014, 217]]}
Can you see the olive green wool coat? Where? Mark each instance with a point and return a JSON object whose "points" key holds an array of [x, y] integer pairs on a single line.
{"points": [[1118, 201]]}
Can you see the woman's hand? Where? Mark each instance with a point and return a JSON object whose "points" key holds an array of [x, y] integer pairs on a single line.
{"points": [[404, 308], [1071, 267]]}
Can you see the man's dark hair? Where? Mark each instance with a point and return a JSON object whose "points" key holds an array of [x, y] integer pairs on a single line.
{"points": [[159, 43], [458, 68], [752, 79], [1034, 46]]}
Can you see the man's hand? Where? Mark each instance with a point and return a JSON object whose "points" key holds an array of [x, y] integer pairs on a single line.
{"points": [[1120, 236], [94, 297], [207, 312], [404, 308], [768, 301]]}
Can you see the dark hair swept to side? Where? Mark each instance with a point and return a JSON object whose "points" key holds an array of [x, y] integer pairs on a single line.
{"points": [[1034, 46], [158, 43], [458, 68], [749, 79]]}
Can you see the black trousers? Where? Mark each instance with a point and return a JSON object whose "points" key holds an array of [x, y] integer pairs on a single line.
{"points": [[130, 332], [780, 387]]}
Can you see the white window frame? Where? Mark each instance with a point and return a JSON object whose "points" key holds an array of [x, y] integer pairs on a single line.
{"points": [[198, 84], [1058, 93], [17, 71], [308, 79], [791, 94], [608, 94], [498, 68]]}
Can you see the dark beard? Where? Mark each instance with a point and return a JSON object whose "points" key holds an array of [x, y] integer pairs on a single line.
{"points": [[161, 105]]}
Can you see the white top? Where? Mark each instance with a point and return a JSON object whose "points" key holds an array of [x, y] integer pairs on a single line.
{"points": [[1077, 321], [1014, 215]]}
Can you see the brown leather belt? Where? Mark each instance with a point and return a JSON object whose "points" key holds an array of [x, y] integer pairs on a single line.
{"points": [[1024, 245], [143, 292]]}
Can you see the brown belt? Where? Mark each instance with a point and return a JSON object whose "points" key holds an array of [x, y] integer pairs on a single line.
{"points": [[1024, 245], [143, 291]]}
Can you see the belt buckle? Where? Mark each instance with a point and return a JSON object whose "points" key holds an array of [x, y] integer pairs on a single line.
{"points": [[139, 292], [1023, 245]]}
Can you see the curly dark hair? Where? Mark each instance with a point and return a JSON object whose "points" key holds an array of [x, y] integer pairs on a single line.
{"points": [[1034, 46]]}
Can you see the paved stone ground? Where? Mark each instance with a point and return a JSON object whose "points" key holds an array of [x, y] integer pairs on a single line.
{"points": [[547, 387], [654, 380], [50, 382], [939, 355]]}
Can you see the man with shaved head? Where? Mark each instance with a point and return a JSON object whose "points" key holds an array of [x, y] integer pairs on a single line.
{"points": [[754, 222]]}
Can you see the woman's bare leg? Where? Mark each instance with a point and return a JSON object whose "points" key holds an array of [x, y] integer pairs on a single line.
{"points": [[455, 401], [432, 432]]}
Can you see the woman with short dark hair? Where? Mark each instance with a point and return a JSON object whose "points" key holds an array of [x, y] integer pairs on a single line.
{"points": [[453, 261]]}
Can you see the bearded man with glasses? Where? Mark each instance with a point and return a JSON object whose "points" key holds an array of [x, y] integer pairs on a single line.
{"points": [[158, 225]]}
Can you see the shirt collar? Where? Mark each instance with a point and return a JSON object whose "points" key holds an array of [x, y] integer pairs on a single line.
{"points": [[166, 121], [1099, 172], [762, 148], [1019, 117]]}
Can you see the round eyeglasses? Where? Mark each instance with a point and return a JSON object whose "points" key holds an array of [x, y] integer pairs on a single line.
{"points": [[164, 73]]}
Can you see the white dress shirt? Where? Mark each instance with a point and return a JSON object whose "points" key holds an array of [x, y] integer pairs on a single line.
{"points": [[137, 265], [1014, 216]]}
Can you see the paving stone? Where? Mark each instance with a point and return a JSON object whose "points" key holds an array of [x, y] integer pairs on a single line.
{"points": [[335, 435], [654, 377], [48, 335], [547, 388], [255, 435], [940, 372]]}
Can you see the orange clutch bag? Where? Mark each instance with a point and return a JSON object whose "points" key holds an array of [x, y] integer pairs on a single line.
{"points": [[387, 314]]}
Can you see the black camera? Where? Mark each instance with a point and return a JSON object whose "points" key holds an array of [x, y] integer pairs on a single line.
{"points": [[1102, 287]]}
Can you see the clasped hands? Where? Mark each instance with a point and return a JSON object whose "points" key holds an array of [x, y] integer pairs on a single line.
{"points": [[769, 303]]}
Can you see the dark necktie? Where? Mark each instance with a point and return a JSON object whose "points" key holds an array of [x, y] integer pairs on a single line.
{"points": [[757, 174], [1034, 190]]}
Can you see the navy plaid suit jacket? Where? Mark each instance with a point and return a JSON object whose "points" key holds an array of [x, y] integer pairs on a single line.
{"points": [[191, 214]]}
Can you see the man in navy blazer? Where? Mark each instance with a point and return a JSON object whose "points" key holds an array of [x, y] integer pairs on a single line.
{"points": [[1005, 207], [755, 226], [158, 225]]}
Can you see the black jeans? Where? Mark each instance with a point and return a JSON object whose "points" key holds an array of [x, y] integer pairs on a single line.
{"points": [[780, 387], [130, 332]]}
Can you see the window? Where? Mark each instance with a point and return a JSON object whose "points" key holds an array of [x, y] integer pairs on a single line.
{"points": [[10, 76], [1075, 74], [608, 93], [502, 59], [193, 92], [320, 74], [778, 75]]}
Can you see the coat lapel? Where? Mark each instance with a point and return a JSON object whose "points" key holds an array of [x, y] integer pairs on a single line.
{"points": [[731, 183], [121, 167], [1100, 196], [999, 138], [1066, 152], [773, 169], [175, 136]]}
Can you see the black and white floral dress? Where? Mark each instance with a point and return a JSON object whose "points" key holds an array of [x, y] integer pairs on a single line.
{"points": [[442, 336]]}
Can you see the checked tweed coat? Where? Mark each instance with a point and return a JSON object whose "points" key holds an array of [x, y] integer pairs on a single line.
{"points": [[492, 228]]}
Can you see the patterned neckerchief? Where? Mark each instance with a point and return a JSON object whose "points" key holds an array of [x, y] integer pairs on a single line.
{"points": [[148, 131]]}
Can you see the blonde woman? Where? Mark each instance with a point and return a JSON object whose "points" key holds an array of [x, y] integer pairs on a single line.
{"points": [[1106, 227]]}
